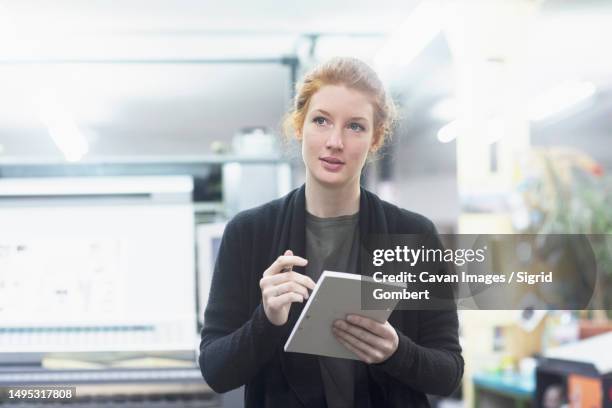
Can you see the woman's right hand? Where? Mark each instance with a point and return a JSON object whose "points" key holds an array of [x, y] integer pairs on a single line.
{"points": [[281, 286]]}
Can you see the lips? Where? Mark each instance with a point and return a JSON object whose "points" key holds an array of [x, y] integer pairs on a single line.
{"points": [[332, 160], [332, 164]]}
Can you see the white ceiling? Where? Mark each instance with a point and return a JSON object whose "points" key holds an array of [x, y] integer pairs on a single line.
{"points": [[208, 15], [136, 109]]}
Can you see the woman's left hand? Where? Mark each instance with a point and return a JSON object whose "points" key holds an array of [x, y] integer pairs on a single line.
{"points": [[373, 342]]}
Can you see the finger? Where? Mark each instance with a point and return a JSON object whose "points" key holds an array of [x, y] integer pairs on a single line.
{"points": [[371, 325], [271, 291], [360, 354], [287, 253], [302, 279], [370, 353], [288, 277], [285, 261], [284, 299], [290, 260], [291, 287], [363, 335]]}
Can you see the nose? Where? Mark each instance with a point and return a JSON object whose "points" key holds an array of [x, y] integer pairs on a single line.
{"points": [[334, 139]]}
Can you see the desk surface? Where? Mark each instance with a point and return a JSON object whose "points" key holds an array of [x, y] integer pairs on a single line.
{"points": [[510, 383]]}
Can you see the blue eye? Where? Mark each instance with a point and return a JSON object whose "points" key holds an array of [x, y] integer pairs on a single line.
{"points": [[356, 127], [320, 120]]}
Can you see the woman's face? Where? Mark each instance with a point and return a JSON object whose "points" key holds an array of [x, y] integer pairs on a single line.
{"points": [[337, 135]]}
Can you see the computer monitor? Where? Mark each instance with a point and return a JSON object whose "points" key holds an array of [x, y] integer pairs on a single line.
{"points": [[97, 264]]}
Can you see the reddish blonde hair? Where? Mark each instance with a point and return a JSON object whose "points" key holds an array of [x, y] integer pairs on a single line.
{"points": [[352, 73]]}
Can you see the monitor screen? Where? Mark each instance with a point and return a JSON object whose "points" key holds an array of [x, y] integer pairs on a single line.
{"points": [[106, 272]]}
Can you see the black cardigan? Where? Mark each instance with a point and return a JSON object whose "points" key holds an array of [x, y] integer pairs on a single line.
{"points": [[240, 346]]}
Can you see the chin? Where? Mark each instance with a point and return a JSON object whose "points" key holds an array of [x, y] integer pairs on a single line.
{"points": [[331, 180]]}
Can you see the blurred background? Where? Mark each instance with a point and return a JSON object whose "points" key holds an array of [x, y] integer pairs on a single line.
{"points": [[130, 132]]}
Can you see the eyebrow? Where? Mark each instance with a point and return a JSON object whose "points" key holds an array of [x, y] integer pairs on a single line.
{"points": [[328, 114]]}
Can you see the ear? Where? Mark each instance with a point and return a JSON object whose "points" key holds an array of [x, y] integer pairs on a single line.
{"points": [[298, 135], [376, 141]]}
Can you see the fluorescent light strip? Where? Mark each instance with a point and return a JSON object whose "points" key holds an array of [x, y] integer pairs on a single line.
{"points": [[448, 132], [411, 37], [62, 128], [494, 130]]}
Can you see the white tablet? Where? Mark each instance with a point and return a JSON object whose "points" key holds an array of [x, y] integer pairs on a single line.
{"points": [[335, 295]]}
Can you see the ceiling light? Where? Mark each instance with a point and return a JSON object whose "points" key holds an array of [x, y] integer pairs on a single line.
{"points": [[449, 132], [494, 130], [62, 128], [411, 37]]}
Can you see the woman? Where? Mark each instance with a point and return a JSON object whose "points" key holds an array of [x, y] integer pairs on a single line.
{"points": [[271, 256]]}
